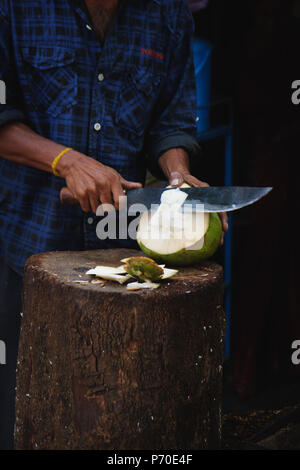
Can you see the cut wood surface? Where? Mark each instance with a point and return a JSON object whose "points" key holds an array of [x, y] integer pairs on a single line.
{"points": [[101, 367]]}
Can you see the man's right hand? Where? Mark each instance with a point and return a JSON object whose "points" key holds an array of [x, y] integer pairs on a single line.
{"points": [[91, 183]]}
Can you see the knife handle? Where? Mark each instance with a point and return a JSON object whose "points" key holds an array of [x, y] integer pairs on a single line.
{"points": [[66, 197]]}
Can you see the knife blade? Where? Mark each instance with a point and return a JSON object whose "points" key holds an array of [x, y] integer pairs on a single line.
{"points": [[213, 198]]}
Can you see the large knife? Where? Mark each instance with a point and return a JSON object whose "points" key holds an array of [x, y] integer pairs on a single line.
{"points": [[207, 199]]}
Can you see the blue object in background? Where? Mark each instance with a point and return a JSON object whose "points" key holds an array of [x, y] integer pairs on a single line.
{"points": [[202, 64]]}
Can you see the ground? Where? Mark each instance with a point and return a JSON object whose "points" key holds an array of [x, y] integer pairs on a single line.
{"points": [[270, 419]]}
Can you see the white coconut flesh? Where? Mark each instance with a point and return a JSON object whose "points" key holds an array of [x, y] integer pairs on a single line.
{"points": [[121, 279], [170, 229], [169, 273], [100, 270], [142, 285], [110, 273]]}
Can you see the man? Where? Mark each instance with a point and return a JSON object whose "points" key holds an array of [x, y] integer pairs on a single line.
{"points": [[96, 91]]}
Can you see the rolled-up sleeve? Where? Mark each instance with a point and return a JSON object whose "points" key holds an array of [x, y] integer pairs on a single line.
{"points": [[174, 121], [10, 109]]}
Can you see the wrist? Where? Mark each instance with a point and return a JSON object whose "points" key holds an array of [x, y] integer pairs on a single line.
{"points": [[174, 160], [67, 162]]}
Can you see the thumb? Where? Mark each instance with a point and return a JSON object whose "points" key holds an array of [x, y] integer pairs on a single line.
{"points": [[176, 179], [66, 197]]}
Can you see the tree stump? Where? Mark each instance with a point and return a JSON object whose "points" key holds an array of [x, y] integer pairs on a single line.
{"points": [[104, 368]]}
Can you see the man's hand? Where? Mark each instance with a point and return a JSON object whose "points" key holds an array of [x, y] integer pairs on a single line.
{"points": [[177, 179], [175, 165], [91, 183]]}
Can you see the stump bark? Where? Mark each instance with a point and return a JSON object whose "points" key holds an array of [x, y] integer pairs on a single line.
{"points": [[104, 368]]}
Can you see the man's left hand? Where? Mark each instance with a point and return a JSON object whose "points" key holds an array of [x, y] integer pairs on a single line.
{"points": [[176, 179]]}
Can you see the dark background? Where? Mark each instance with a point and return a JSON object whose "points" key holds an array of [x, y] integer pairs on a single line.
{"points": [[255, 61]]}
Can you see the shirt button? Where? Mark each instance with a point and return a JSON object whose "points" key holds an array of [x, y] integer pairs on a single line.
{"points": [[97, 126], [88, 27], [100, 77]]}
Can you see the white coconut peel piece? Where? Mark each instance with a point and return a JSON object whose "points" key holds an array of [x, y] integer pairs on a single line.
{"points": [[121, 279], [100, 270], [142, 285], [169, 273]]}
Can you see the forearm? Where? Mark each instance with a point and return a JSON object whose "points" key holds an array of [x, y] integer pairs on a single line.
{"points": [[174, 160], [20, 144]]}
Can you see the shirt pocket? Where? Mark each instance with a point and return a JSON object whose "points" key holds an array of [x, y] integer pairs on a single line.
{"points": [[136, 101], [51, 79]]}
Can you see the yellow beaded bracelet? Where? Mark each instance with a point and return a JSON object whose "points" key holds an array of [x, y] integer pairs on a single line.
{"points": [[56, 160]]}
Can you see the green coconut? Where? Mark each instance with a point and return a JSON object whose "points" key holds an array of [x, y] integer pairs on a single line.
{"points": [[176, 238], [143, 269]]}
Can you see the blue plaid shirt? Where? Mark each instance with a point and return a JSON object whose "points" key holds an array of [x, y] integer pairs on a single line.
{"points": [[123, 103]]}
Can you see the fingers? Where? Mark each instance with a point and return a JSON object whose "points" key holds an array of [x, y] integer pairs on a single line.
{"points": [[111, 191], [176, 179], [194, 182], [105, 193], [224, 221], [126, 185], [86, 196], [129, 184], [84, 201], [95, 202], [85, 204], [66, 197], [114, 190], [117, 194]]}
